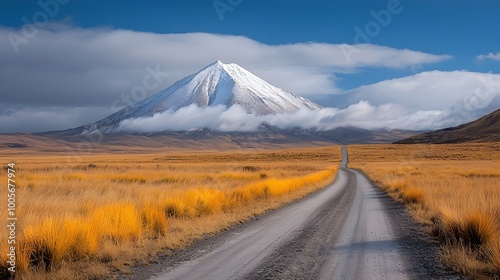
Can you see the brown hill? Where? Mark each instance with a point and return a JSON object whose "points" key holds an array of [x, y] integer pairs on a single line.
{"points": [[484, 129], [74, 142]]}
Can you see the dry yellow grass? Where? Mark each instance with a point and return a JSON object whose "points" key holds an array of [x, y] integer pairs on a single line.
{"points": [[454, 190], [81, 219]]}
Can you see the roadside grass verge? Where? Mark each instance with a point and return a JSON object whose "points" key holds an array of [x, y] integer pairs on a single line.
{"points": [[453, 190], [100, 216]]}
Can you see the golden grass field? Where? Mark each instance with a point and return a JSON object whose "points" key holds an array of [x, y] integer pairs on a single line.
{"points": [[453, 190], [97, 216]]}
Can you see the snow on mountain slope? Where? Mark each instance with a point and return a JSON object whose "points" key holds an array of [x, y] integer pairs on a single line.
{"points": [[216, 84]]}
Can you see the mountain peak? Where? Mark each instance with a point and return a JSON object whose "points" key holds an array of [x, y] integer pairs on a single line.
{"points": [[230, 68], [215, 63], [215, 66], [216, 84]]}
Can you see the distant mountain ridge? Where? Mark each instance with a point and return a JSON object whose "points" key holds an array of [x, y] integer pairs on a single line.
{"points": [[267, 137], [216, 84], [484, 129]]}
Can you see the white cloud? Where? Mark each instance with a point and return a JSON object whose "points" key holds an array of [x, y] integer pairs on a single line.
{"points": [[489, 56], [77, 76], [217, 118], [362, 115], [434, 90], [93, 67], [442, 99]]}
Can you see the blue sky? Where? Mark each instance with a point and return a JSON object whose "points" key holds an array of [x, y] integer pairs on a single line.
{"points": [[455, 32], [460, 28]]}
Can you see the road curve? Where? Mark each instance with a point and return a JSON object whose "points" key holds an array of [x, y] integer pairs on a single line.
{"points": [[345, 231]]}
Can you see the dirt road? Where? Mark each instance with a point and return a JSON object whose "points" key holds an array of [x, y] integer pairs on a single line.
{"points": [[349, 230]]}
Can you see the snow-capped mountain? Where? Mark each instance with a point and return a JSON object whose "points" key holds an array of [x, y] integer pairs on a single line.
{"points": [[216, 84]]}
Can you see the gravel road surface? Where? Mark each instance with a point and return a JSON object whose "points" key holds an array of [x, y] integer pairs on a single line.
{"points": [[349, 230]]}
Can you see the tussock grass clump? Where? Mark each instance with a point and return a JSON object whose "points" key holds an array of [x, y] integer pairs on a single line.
{"points": [[472, 230], [117, 221], [47, 243], [128, 179], [195, 203], [413, 195], [154, 220], [249, 168]]}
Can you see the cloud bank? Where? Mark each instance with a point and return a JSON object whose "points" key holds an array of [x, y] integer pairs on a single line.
{"points": [[78, 76], [92, 67], [489, 56], [433, 90], [236, 118]]}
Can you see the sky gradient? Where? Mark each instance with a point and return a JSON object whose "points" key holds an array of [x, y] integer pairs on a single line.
{"points": [[90, 53]]}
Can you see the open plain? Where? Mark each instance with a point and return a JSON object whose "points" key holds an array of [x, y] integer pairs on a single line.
{"points": [[96, 215], [160, 213]]}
